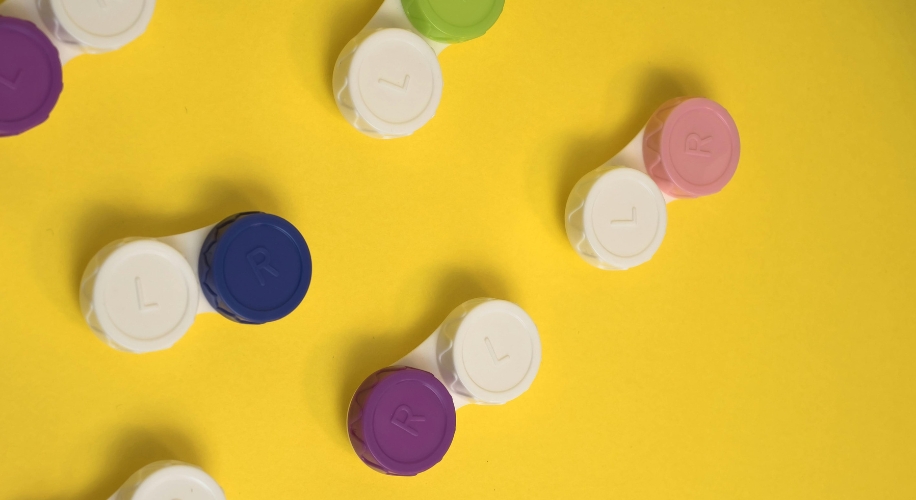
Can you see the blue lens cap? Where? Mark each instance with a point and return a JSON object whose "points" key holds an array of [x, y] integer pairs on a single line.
{"points": [[255, 268]]}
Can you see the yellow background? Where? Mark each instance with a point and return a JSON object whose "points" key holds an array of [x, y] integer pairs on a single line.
{"points": [[766, 352]]}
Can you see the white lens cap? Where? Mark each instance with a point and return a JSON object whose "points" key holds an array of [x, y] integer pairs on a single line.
{"points": [[140, 295], [394, 84], [179, 482], [170, 481], [492, 351], [104, 24], [616, 218]]}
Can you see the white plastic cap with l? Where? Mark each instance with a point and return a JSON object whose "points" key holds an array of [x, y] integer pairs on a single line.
{"points": [[388, 84], [616, 218], [170, 480], [84, 26], [387, 80], [487, 351], [99, 25], [140, 295]]}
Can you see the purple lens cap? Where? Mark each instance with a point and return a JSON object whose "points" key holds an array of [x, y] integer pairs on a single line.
{"points": [[31, 76], [401, 421]]}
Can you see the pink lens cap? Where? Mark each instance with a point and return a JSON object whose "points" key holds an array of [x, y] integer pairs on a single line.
{"points": [[401, 421], [31, 77], [691, 147]]}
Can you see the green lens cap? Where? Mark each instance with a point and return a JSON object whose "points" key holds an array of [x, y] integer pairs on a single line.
{"points": [[453, 21]]}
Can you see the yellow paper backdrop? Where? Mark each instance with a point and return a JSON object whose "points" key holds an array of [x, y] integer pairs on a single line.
{"points": [[767, 352]]}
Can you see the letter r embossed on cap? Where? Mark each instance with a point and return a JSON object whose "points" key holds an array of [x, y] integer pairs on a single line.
{"points": [[259, 259], [696, 145], [409, 418]]}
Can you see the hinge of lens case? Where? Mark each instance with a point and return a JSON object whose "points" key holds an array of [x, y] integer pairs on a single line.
{"points": [[142, 294], [401, 419], [616, 216]]}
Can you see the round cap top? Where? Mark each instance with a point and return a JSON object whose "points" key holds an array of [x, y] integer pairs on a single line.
{"points": [[31, 77], [395, 82], [691, 147], [453, 21], [255, 268], [401, 421], [144, 296], [625, 217], [178, 482], [104, 24], [496, 352]]}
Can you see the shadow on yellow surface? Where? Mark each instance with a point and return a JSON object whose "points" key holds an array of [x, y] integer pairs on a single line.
{"points": [[130, 452], [343, 24], [103, 224]]}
